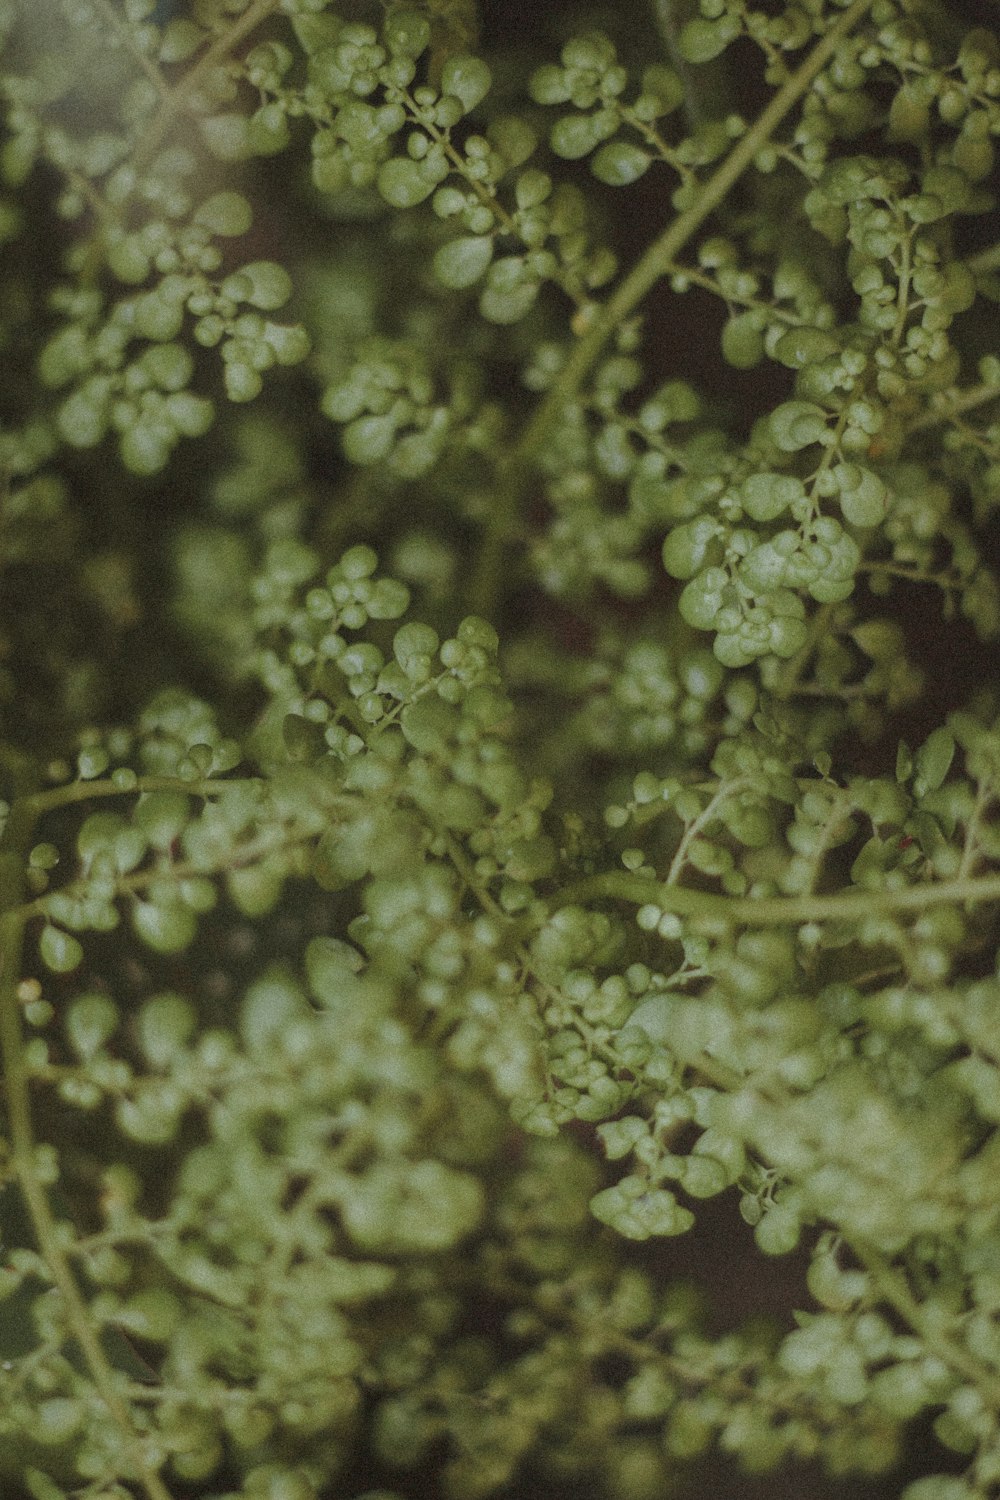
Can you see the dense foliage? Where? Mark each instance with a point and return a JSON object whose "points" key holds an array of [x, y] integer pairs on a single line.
{"points": [[484, 772]]}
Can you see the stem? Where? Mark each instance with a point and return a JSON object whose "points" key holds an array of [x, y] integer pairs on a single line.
{"points": [[640, 280], [777, 911], [910, 571], [694, 277], [985, 261], [126, 36], [790, 673], [709, 811], [40, 803], [219, 50], [14, 845], [131, 885], [893, 1286], [946, 406], [644, 276], [970, 848]]}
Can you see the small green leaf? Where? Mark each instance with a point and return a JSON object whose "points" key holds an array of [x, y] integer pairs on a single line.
{"points": [[92, 762], [909, 113], [512, 138], [407, 33], [129, 260], [41, 1487], [163, 816], [225, 213], [158, 316], [90, 1021], [766, 496], [289, 342], [690, 547], [462, 262], [638, 1211], [256, 890], [467, 79], [44, 857], [227, 136], [165, 1023], [904, 762], [56, 1419], [863, 496], [700, 40], [743, 341], [940, 1487], [267, 130], [933, 760], [179, 38], [269, 1006], [403, 184], [242, 381], [152, 1314], [779, 1231], [145, 447], [165, 929], [270, 285], [804, 346], [549, 85], [619, 163], [369, 439], [662, 85], [510, 291], [573, 136], [169, 366], [797, 424], [60, 951]]}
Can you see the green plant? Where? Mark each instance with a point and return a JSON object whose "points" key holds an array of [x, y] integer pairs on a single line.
{"points": [[410, 895]]}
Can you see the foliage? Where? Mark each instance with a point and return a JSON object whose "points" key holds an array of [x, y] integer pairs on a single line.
{"points": [[479, 783]]}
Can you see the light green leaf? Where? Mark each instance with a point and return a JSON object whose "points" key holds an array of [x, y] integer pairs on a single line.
{"points": [[638, 1210], [462, 262], [90, 1021], [932, 761], [620, 163], [467, 79], [225, 213], [59, 951], [798, 424], [743, 341], [165, 929], [701, 40], [403, 184]]}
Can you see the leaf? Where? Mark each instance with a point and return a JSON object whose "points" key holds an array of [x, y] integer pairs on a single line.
{"points": [[403, 184], [932, 761], [165, 929], [619, 163], [701, 41], [743, 341], [766, 496], [462, 262], [467, 79], [639, 1211], [863, 496], [59, 951], [227, 136], [225, 213], [574, 136], [797, 424], [90, 1021]]}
